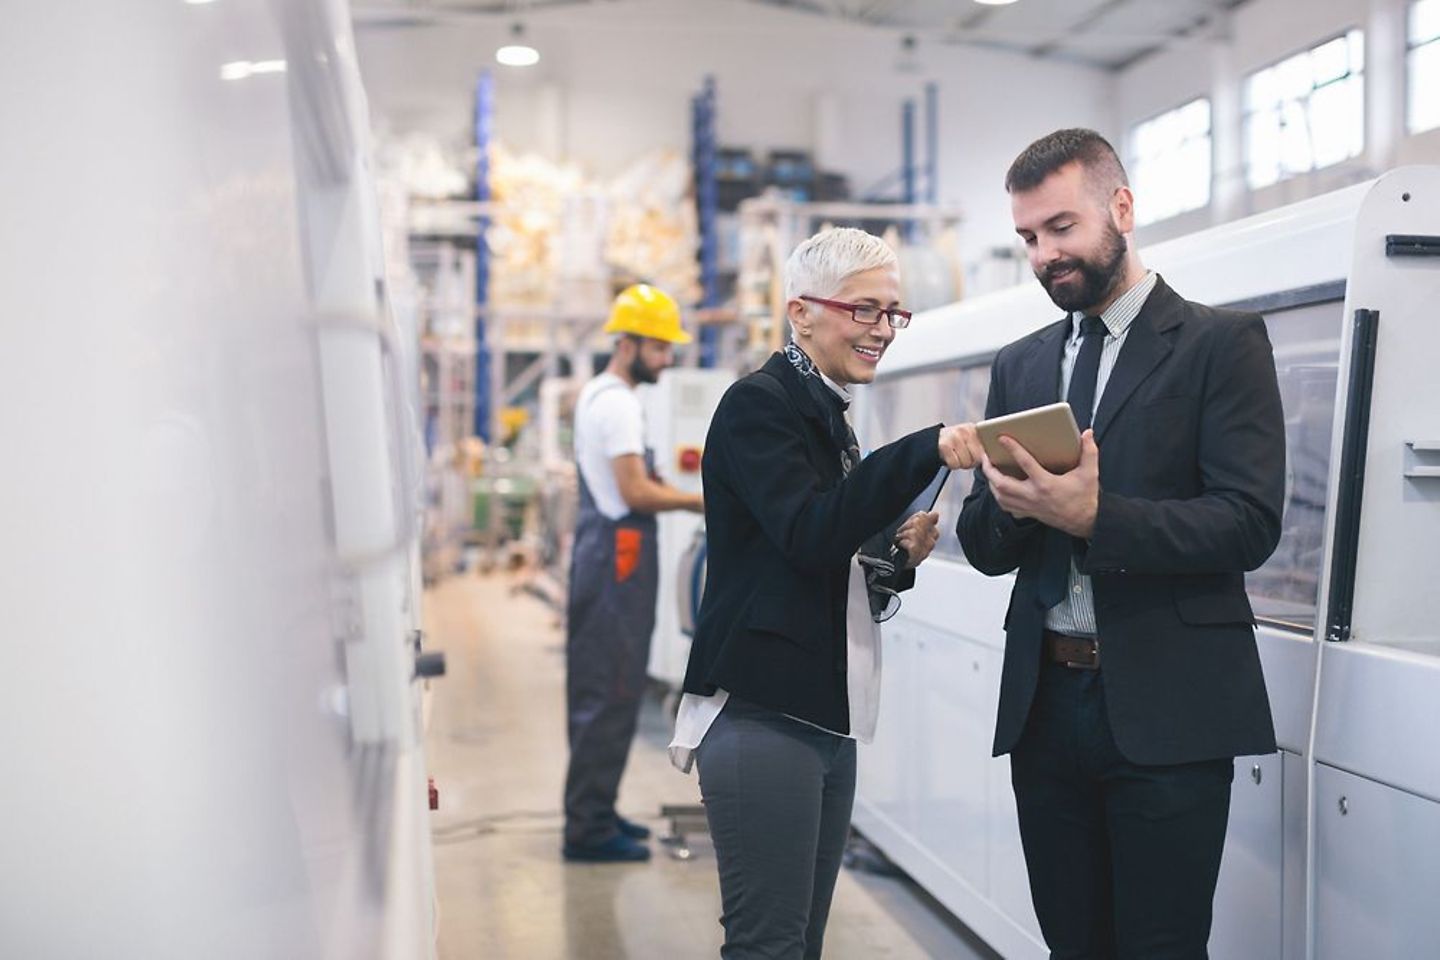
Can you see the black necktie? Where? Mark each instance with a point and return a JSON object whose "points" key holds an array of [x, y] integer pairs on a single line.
{"points": [[1059, 546]]}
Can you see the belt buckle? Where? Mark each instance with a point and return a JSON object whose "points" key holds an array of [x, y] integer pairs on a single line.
{"points": [[1093, 663]]}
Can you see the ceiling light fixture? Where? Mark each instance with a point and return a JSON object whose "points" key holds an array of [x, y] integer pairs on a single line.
{"points": [[995, 3], [517, 53], [240, 69]]}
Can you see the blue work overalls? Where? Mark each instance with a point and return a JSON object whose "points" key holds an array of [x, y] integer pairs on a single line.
{"points": [[614, 576]]}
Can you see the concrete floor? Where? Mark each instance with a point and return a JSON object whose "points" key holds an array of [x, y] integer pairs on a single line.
{"points": [[496, 748]]}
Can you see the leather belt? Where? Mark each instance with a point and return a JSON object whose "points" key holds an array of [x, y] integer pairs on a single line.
{"points": [[1081, 653]]}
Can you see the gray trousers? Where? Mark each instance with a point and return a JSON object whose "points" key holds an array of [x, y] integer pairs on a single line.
{"points": [[778, 796]]}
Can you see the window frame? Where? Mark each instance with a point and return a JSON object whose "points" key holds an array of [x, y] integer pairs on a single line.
{"points": [[1247, 111], [1410, 49], [1133, 162]]}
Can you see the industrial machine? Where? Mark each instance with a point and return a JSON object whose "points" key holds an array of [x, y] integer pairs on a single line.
{"points": [[1330, 852], [677, 417], [210, 679]]}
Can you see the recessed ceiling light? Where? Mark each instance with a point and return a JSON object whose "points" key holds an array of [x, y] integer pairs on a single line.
{"points": [[995, 3]]}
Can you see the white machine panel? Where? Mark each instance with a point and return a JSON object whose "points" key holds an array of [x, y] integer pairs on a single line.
{"points": [[677, 417], [1377, 876], [206, 678], [1249, 899]]}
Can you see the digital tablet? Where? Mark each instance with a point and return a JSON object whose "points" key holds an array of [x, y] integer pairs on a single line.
{"points": [[883, 544], [1049, 433]]}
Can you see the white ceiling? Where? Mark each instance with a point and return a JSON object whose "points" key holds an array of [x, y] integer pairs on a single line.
{"points": [[1106, 34]]}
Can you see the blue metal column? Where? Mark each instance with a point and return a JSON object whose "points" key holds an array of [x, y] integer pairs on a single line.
{"points": [[484, 130], [907, 151], [932, 143], [702, 115]]}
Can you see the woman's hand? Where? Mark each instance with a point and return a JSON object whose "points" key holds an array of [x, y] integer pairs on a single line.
{"points": [[918, 536], [960, 446]]}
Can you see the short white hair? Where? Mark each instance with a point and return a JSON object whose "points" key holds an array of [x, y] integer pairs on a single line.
{"points": [[819, 265]]}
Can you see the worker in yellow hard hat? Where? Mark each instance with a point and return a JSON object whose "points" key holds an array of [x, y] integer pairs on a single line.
{"points": [[614, 574]]}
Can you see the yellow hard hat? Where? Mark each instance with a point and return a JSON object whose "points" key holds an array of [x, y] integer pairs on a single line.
{"points": [[647, 312]]}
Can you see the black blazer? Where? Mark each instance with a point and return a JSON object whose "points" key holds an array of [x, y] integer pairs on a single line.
{"points": [[1192, 476], [782, 524]]}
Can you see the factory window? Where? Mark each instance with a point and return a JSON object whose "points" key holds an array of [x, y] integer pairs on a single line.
{"points": [[1423, 65], [1306, 112], [1170, 162]]}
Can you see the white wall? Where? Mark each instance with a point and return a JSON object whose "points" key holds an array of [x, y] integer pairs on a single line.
{"points": [[1256, 35], [615, 81]]}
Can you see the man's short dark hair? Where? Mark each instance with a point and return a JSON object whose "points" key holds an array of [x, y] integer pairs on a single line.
{"points": [[1055, 150]]}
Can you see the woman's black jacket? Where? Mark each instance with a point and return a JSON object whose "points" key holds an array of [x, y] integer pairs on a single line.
{"points": [[782, 524]]}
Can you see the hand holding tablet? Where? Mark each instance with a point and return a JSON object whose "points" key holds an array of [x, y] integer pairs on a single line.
{"points": [[1048, 433]]}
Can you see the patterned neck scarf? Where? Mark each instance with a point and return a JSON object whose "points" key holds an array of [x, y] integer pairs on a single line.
{"points": [[830, 401], [876, 559]]}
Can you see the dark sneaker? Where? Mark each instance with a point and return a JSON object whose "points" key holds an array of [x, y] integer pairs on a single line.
{"points": [[636, 831], [618, 849]]}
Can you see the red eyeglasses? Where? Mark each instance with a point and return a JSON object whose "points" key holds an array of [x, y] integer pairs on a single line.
{"points": [[865, 313]]}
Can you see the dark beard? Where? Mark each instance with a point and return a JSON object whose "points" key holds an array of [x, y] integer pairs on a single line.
{"points": [[640, 373], [1097, 277]]}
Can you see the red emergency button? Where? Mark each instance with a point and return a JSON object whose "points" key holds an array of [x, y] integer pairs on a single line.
{"points": [[688, 459]]}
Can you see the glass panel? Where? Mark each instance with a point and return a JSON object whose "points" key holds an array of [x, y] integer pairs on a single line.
{"points": [[1260, 91], [1356, 40], [1196, 118], [1424, 81], [1143, 143], [1292, 78], [1337, 122], [1166, 166], [901, 405], [1424, 21], [1307, 351], [1262, 138], [1295, 154], [1192, 180], [1330, 61]]}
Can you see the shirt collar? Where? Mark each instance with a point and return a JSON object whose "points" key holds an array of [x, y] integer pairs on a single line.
{"points": [[1119, 315], [842, 392]]}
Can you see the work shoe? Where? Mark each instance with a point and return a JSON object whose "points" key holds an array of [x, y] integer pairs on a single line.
{"points": [[636, 831], [618, 849]]}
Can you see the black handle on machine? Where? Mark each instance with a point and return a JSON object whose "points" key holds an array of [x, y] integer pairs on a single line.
{"points": [[427, 665]]}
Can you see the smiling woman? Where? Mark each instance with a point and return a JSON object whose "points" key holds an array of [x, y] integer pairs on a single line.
{"points": [[784, 672]]}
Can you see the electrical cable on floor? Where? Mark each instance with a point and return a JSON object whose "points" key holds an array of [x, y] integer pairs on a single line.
{"points": [[493, 824]]}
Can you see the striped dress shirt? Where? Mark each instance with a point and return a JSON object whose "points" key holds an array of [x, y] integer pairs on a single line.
{"points": [[1075, 614]]}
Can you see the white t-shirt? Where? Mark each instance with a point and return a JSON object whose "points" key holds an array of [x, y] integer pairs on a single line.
{"points": [[609, 423]]}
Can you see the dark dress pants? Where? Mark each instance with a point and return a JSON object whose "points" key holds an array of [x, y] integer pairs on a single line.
{"points": [[778, 795], [1122, 858]]}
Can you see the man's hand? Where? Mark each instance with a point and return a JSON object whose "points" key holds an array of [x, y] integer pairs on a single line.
{"points": [[960, 446], [1065, 501], [917, 536]]}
